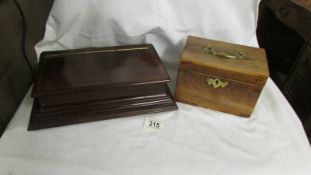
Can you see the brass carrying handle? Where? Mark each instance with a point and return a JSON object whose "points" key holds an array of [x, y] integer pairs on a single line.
{"points": [[236, 55], [216, 83]]}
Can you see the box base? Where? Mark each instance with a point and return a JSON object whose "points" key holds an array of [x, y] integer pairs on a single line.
{"points": [[46, 117]]}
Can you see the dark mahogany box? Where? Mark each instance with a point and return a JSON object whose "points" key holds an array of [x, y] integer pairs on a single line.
{"points": [[84, 85]]}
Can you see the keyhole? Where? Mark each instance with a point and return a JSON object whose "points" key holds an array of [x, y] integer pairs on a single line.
{"points": [[216, 82]]}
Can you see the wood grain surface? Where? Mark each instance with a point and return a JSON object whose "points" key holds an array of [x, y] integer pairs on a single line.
{"points": [[245, 78]]}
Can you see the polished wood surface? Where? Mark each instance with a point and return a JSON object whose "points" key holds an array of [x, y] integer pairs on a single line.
{"points": [[84, 85], [92, 94], [64, 71], [46, 117], [245, 78], [254, 65]]}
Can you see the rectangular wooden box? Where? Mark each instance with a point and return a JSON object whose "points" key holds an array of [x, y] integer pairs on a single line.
{"points": [[83, 85], [221, 76]]}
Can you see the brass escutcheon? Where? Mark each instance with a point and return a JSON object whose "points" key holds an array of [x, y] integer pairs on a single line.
{"points": [[216, 83]]}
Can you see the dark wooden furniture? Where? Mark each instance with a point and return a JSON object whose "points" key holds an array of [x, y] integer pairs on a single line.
{"points": [[221, 76], [284, 30], [85, 85]]}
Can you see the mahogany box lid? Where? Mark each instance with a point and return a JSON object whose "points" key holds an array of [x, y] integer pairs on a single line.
{"points": [[109, 67], [231, 61]]}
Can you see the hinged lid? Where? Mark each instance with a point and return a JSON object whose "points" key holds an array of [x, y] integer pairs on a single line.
{"points": [[64, 71], [237, 62]]}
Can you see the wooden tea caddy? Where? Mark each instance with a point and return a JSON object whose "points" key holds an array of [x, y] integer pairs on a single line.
{"points": [[221, 76]]}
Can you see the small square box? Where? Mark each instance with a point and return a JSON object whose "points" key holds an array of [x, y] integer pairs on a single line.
{"points": [[221, 76]]}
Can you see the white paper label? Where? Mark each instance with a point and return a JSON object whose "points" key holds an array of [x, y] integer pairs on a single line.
{"points": [[153, 124]]}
